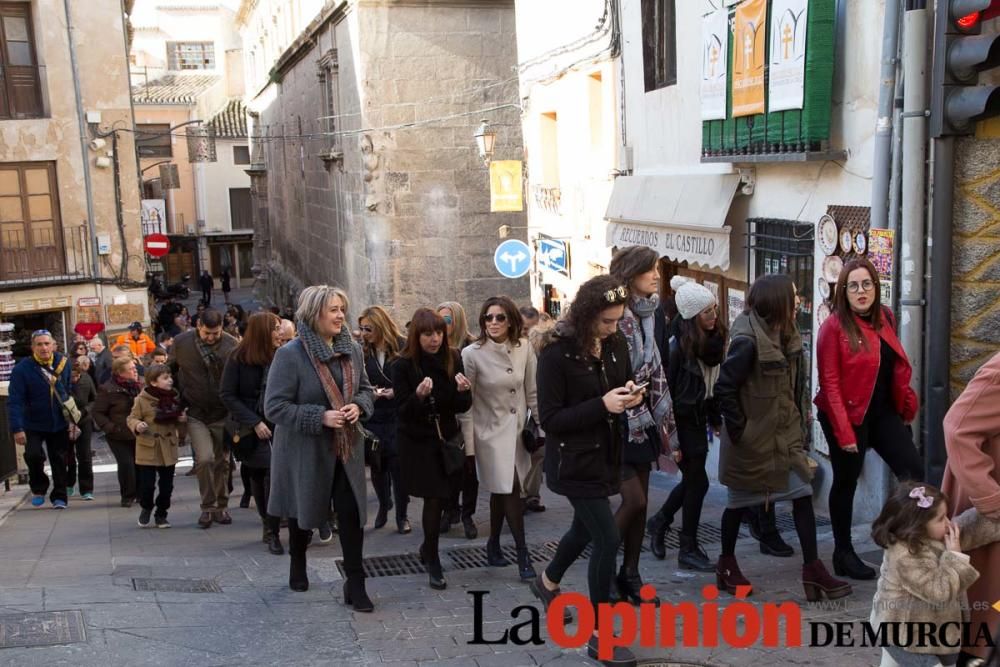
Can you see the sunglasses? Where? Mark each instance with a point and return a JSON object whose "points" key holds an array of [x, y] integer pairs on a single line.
{"points": [[616, 295], [40, 332], [366, 329], [447, 319], [499, 317]]}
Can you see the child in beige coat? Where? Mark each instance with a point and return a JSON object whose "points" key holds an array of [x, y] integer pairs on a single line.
{"points": [[156, 415], [924, 572]]}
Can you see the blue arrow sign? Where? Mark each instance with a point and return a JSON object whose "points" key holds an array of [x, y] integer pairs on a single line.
{"points": [[553, 255], [512, 258]]}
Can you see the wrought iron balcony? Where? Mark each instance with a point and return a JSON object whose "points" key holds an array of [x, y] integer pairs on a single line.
{"points": [[49, 258]]}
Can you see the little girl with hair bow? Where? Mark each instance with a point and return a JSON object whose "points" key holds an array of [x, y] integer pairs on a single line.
{"points": [[925, 574]]}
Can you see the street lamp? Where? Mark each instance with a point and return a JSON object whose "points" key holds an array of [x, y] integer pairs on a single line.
{"points": [[485, 141]]}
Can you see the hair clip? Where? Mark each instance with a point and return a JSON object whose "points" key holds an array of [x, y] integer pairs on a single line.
{"points": [[923, 500], [613, 295]]}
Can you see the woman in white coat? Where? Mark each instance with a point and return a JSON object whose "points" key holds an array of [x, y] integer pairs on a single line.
{"points": [[501, 367]]}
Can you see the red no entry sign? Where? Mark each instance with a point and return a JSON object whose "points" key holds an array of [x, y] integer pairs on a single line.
{"points": [[157, 245]]}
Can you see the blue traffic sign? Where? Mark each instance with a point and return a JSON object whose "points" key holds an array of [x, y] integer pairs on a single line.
{"points": [[553, 255], [512, 258]]}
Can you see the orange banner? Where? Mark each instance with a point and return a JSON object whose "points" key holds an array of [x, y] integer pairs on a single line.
{"points": [[749, 33], [505, 186]]}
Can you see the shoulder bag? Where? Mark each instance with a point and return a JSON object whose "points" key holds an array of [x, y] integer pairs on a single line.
{"points": [[68, 404], [453, 448]]}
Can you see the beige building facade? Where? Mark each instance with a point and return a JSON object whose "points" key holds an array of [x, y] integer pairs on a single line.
{"points": [[69, 196]]}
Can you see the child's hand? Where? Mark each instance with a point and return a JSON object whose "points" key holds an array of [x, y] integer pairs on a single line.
{"points": [[141, 427], [952, 538], [184, 416]]}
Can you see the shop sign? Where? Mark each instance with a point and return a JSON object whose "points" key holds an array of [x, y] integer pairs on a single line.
{"points": [[707, 247]]}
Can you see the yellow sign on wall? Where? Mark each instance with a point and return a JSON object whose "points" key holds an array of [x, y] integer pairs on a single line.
{"points": [[505, 186], [748, 58]]}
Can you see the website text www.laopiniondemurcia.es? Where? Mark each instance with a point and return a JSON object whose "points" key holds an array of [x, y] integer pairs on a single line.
{"points": [[740, 624]]}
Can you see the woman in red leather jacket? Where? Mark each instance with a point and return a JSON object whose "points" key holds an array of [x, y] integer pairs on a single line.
{"points": [[864, 400]]}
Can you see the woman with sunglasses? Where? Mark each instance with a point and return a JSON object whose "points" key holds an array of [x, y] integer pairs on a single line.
{"points": [[585, 384], [382, 342], [467, 490], [864, 400], [501, 368]]}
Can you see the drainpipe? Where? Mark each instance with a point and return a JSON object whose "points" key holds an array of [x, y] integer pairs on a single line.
{"points": [[912, 237], [883, 125], [84, 148]]}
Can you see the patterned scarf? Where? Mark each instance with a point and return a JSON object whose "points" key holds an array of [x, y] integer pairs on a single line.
{"points": [[168, 407], [132, 387], [320, 355], [657, 410], [213, 363]]}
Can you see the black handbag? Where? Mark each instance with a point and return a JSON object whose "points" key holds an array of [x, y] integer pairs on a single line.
{"points": [[452, 449], [529, 435], [241, 439], [373, 449]]}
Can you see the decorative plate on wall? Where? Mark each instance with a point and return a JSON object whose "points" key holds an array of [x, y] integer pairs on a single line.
{"points": [[827, 229], [846, 240], [832, 267], [824, 288], [822, 313], [860, 243]]}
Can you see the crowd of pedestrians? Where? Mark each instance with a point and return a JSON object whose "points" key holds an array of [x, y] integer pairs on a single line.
{"points": [[591, 403]]}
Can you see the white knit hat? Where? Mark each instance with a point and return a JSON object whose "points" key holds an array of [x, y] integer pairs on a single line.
{"points": [[692, 298], [677, 281]]}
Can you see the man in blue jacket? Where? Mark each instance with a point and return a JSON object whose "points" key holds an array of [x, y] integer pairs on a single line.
{"points": [[38, 386]]}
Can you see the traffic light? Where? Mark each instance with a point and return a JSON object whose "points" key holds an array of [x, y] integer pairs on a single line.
{"points": [[961, 52]]}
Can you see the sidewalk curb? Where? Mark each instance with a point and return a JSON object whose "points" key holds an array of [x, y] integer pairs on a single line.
{"points": [[7, 507]]}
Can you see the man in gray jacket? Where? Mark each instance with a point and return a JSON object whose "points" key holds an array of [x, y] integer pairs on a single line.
{"points": [[198, 358]]}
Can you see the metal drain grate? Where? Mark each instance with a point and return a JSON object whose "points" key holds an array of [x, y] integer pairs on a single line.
{"points": [[388, 566], [176, 585], [46, 628], [470, 558]]}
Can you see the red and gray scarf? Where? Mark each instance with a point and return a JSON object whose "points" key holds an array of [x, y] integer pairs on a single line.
{"points": [[320, 356]]}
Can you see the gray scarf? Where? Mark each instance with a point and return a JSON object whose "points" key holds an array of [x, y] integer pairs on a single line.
{"points": [[317, 347], [657, 410]]}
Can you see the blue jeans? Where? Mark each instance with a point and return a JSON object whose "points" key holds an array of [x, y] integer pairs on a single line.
{"points": [[594, 522]]}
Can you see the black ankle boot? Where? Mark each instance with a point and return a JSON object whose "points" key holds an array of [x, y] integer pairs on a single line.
{"points": [[658, 527], [629, 582], [356, 596], [495, 557], [846, 563], [297, 578], [692, 557], [524, 567], [432, 562], [764, 529], [274, 545]]}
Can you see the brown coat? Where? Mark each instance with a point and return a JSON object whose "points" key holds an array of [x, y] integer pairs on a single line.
{"points": [[972, 478], [111, 412], [929, 586], [158, 445]]}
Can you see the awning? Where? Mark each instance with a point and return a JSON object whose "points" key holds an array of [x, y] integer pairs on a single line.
{"points": [[681, 217]]}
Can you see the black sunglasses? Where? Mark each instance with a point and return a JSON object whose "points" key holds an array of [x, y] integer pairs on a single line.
{"points": [[499, 317], [366, 329]]}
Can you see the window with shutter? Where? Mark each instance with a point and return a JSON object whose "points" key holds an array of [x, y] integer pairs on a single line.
{"points": [[20, 90], [31, 243]]}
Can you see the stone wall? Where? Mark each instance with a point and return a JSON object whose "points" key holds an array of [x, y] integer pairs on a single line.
{"points": [[403, 219], [975, 301]]}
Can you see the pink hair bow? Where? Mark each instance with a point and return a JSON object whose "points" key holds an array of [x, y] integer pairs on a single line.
{"points": [[923, 500]]}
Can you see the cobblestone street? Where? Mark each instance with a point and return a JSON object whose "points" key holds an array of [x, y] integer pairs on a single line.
{"points": [[89, 562]]}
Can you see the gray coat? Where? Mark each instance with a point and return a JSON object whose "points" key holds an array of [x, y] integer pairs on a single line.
{"points": [[302, 458]]}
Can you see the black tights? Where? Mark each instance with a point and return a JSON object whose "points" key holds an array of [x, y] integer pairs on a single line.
{"points": [[805, 527], [432, 527], [631, 517], [260, 487], [507, 505]]}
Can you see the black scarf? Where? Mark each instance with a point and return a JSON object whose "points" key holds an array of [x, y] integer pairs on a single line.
{"points": [[713, 349], [132, 387], [168, 408]]}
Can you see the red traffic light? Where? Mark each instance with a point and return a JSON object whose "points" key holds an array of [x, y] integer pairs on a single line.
{"points": [[969, 21]]}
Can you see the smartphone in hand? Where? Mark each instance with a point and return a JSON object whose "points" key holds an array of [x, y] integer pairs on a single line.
{"points": [[638, 388]]}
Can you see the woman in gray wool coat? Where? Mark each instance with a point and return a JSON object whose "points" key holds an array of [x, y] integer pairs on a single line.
{"points": [[317, 391]]}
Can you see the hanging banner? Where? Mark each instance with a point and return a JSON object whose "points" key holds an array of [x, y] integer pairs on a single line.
{"points": [[153, 215], [714, 64], [749, 34], [786, 83], [505, 186], [880, 244]]}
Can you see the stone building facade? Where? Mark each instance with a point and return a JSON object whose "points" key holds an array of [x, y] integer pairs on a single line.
{"points": [[975, 306], [365, 171], [69, 194]]}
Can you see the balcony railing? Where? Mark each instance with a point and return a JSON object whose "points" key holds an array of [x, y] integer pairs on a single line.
{"points": [[49, 260]]}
